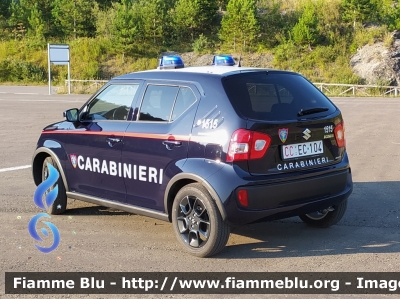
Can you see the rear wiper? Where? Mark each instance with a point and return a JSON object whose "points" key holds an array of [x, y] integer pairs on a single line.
{"points": [[312, 111]]}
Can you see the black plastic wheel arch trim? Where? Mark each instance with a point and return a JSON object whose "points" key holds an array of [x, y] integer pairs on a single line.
{"points": [[198, 179], [55, 158]]}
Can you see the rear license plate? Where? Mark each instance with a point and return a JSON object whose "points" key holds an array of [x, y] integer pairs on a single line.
{"points": [[302, 149]]}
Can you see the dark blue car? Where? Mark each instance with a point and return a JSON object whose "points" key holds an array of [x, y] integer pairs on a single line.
{"points": [[206, 148]]}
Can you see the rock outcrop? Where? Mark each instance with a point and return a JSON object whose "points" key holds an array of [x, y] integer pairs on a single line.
{"points": [[378, 64]]}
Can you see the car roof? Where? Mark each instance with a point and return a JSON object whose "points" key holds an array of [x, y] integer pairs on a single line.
{"points": [[190, 73]]}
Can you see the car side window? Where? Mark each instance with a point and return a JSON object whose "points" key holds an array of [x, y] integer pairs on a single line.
{"points": [[113, 103], [184, 100], [158, 102]]}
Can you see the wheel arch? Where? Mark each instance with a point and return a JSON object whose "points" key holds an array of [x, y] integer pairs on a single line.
{"points": [[183, 179], [37, 161]]}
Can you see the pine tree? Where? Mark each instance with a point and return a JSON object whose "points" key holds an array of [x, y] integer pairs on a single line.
{"points": [[239, 26], [36, 25], [306, 30], [359, 11], [156, 18], [194, 17], [74, 18], [127, 26], [5, 8]]}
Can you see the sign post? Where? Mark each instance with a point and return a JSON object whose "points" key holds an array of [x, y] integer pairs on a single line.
{"points": [[59, 54]]}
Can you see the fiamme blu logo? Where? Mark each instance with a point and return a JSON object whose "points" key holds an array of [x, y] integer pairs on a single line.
{"points": [[45, 195]]}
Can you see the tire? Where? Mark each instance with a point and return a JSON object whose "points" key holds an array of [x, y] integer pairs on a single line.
{"points": [[327, 217], [197, 223], [60, 204]]}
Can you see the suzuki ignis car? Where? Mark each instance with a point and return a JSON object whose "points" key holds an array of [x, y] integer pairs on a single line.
{"points": [[205, 148]]}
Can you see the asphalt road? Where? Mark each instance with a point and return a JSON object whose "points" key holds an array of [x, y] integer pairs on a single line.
{"points": [[100, 239]]}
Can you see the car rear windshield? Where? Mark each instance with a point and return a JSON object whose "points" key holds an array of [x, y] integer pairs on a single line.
{"points": [[276, 96]]}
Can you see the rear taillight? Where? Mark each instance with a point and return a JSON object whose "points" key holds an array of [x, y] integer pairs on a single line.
{"points": [[247, 145], [339, 135]]}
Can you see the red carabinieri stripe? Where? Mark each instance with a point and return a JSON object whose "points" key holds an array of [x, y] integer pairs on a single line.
{"points": [[125, 134]]}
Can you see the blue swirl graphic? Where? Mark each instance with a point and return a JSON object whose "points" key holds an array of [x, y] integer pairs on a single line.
{"points": [[34, 234], [44, 186]]}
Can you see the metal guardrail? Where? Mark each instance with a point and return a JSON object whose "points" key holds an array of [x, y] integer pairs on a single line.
{"points": [[354, 89], [89, 81], [330, 89], [85, 86]]}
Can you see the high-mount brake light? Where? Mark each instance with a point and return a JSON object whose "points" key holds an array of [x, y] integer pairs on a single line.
{"points": [[223, 60], [339, 135], [247, 145], [171, 62]]}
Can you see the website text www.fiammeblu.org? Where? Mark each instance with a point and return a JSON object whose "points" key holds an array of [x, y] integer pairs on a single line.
{"points": [[201, 283]]}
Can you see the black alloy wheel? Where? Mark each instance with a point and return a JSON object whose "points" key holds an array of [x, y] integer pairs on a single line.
{"points": [[197, 222]]}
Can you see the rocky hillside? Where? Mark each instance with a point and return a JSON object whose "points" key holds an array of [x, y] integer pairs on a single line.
{"points": [[377, 63]]}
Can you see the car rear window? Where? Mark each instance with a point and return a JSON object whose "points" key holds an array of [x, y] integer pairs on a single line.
{"points": [[275, 96]]}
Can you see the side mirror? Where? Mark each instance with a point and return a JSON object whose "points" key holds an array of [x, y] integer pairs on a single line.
{"points": [[71, 114]]}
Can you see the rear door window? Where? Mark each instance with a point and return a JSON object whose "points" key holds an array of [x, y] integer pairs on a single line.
{"points": [[274, 96], [164, 103], [158, 102], [185, 99]]}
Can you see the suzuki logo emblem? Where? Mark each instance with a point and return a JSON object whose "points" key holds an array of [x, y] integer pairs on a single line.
{"points": [[306, 134]]}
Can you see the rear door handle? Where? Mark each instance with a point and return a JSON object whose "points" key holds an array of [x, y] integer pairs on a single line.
{"points": [[170, 144], [112, 141]]}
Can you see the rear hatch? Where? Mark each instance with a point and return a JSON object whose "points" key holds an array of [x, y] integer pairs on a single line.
{"points": [[298, 127]]}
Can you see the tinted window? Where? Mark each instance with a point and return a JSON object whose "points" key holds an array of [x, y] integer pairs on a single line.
{"points": [[113, 103], [158, 102], [274, 96], [184, 100]]}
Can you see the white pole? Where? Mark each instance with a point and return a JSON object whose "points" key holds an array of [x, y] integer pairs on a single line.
{"points": [[69, 71], [69, 78], [48, 62]]}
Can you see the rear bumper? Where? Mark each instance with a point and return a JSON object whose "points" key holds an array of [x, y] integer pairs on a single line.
{"points": [[292, 198]]}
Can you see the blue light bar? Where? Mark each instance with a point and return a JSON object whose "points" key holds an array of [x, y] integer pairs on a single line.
{"points": [[171, 62], [226, 60]]}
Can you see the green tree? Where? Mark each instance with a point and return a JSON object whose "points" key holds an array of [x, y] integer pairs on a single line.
{"points": [[359, 11], [45, 8], [18, 19], [275, 25], [18, 14], [127, 27], [155, 15], [239, 26], [74, 18], [330, 25], [104, 21], [5, 8], [306, 32], [21, 12], [36, 25], [389, 13], [194, 17], [103, 4]]}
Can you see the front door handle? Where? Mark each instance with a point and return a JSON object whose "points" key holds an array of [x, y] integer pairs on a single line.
{"points": [[170, 144], [112, 141]]}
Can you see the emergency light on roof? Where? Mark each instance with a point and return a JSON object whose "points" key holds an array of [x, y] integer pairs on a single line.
{"points": [[222, 60], [171, 62]]}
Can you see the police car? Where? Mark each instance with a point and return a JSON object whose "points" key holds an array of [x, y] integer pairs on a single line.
{"points": [[206, 148]]}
